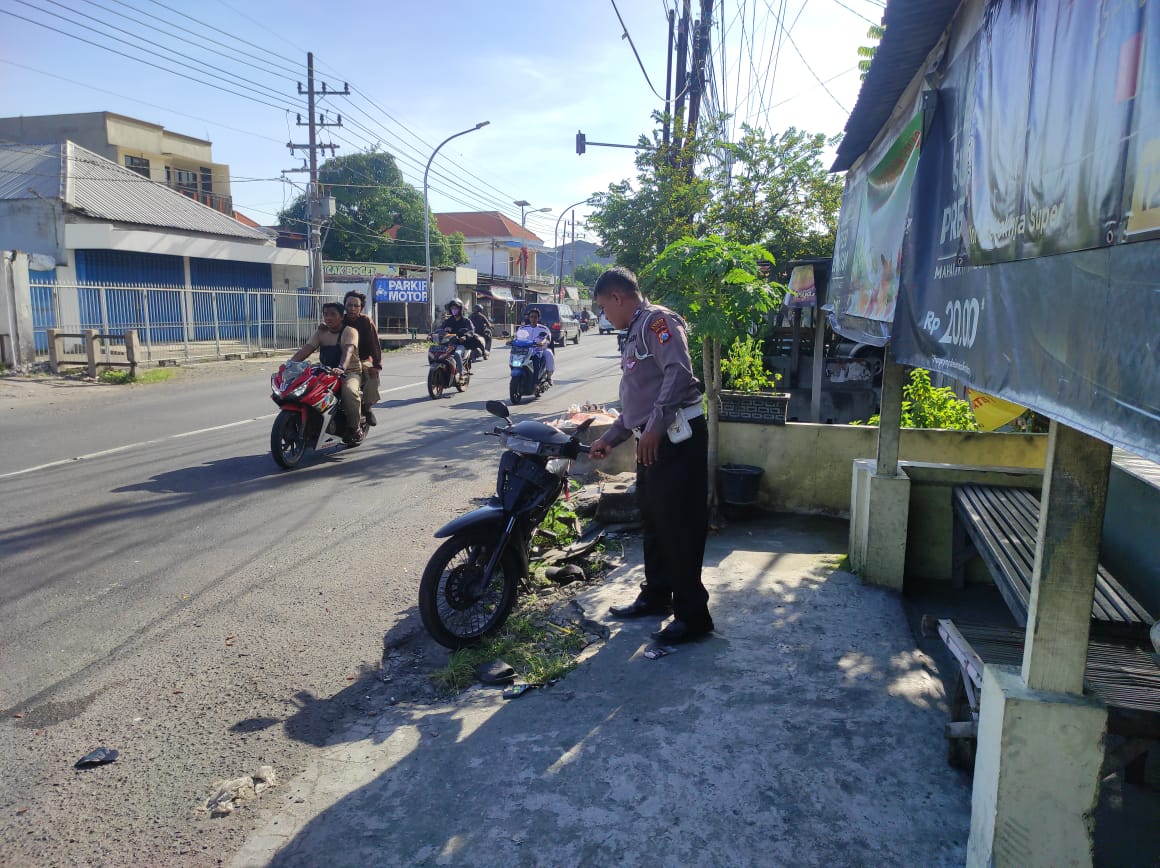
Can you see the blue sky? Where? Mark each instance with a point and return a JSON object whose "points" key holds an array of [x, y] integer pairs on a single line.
{"points": [[538, 70]]}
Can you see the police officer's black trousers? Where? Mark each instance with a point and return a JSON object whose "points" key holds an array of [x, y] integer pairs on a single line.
{"points": [[673, 494]]}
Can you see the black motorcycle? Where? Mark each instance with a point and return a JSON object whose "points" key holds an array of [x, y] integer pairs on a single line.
{"points": [[469, 585], [448, 363]]}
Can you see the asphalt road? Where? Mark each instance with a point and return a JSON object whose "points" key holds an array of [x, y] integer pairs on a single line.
{"points": [[167, 591]]}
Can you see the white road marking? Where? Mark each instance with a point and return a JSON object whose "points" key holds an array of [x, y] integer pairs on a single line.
{"points": [[143, 443]]}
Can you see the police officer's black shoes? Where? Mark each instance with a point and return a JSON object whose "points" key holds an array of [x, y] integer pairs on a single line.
{"points": [[369, 415], [684, 631], [640, 608]]}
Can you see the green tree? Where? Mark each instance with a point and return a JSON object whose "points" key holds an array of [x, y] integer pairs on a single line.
{"points": [[775, 191], [635, 222], [371, 199], [718, 287], [587, 274]]}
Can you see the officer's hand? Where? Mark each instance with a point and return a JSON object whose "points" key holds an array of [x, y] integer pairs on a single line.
{"points": [[600, 449], [648, 447]]}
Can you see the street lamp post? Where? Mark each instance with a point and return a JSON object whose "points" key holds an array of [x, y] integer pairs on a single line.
{"points": [[556, 246], [524, 205], [427, 215]]}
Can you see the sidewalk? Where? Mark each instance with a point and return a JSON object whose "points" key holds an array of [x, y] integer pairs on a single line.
{"points": [[806, 731]]}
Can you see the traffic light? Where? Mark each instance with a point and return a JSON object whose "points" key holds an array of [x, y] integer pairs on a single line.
{"points": [[580, 142]]}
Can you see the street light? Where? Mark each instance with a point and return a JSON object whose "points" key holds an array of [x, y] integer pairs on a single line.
{"points": [[524, 205], [556, 246], [427, 214]]}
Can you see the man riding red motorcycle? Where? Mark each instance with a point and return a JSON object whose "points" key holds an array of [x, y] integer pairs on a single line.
{"points": [[337, 347]]}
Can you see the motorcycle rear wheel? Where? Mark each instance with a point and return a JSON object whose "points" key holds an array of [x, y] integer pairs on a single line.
{"points": [[453, 617], [287, 439], [436, 383]]}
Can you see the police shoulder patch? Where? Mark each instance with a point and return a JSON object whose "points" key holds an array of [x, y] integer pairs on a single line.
{"points": [[660, 328]]}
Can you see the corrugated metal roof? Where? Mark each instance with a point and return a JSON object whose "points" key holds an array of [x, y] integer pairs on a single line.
{"points": [[103, 190], [913, 28]]}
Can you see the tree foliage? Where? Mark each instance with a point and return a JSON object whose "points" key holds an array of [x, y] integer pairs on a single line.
{"points": [[635, 222], [371, 198], [866, 52], [587, 273], [775, 191]]}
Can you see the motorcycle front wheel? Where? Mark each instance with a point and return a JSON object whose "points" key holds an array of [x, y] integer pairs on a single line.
{"points": [[287, 439], [436, 382], [453, 613], [514, 392]]}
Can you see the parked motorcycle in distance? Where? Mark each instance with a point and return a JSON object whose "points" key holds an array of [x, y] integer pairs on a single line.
{"points": [[443, 370], [469, 586], [311, 416], [529, 373]]}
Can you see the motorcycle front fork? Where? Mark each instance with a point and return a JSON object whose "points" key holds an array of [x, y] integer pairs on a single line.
{"points": [[477, 589]]}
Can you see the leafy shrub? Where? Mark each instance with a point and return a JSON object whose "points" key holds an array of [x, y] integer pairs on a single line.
{"points": [[744, 367], [924, 406]]}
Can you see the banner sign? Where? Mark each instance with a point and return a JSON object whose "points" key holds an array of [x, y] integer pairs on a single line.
{"points": [[868, 250], [802, 291], [1031, 270], [390, 289], [337, 272]]}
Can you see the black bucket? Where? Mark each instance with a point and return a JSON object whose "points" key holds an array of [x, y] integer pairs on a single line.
{"points": [[739, 483]]}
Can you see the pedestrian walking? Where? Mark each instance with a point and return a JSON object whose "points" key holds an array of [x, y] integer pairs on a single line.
{"points": [[661, 404]]}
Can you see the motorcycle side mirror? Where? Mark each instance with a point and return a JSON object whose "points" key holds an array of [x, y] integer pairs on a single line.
{"points": [[498, 408]]}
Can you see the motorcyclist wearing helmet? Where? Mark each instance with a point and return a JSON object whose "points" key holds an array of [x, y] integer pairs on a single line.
{"points": [[460, 327], [541, 335]]}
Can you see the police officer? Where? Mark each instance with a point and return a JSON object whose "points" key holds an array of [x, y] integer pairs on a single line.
{"points": [[661, 402]]}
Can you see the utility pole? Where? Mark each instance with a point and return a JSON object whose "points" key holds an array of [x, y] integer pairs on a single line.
{"points": [[679, 84], [672, 16], [316, 208], [697, 73]]}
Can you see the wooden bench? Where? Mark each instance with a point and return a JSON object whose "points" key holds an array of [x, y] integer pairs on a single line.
{"points": [[1000, 523]]}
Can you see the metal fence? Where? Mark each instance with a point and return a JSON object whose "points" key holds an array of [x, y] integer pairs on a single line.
{"points": [[175, 324]]}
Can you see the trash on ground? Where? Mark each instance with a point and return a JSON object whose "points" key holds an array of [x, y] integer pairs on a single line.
{"points": [[495, 672], [656, 652], [565, 574], [98, 757], [516, 690], [229, 795]]}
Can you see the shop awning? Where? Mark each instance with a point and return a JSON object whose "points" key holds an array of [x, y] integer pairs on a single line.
{"points": [[572, 293], [499, 293]]}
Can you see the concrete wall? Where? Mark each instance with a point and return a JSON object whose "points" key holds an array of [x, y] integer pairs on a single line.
{"points": [[34, 226], [1129, 548], [809, 468], [87, 129]]}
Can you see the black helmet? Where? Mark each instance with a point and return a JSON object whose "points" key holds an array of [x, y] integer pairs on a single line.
{"points": [[453, 303]]}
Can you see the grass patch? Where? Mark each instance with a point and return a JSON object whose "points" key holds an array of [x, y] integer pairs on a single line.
{"points": [[118, 377], [539, 649]]}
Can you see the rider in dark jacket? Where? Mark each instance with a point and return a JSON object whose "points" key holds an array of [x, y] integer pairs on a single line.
{"points": [[482, 328]]}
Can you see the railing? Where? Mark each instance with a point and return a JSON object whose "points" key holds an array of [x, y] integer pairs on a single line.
{"points": [[225, 204], [175, 324], [92, 341]]}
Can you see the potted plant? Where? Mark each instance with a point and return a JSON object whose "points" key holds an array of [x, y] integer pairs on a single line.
{"points": [[750, 396]]}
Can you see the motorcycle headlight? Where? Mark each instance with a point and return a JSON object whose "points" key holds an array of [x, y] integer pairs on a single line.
{"points": [[299, 392]]}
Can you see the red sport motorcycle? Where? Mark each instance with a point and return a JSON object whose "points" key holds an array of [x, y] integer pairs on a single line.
{"points": [[311, 415]]}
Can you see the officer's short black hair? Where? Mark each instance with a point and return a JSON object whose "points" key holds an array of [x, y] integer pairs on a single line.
{"points": [[616, 278]]}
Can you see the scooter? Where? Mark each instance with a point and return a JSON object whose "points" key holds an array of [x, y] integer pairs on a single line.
{"points": [[311, 415], [448, 363], [528, 370], [469, 586]]}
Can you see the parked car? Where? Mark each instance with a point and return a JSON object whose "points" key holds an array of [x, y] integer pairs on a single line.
{"points": [[560, 319], [603, 325]]}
